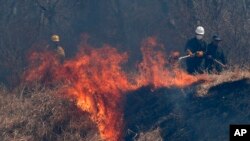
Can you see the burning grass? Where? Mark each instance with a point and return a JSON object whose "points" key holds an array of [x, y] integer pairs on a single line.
{"points": [[41, 115], [97, 82]]}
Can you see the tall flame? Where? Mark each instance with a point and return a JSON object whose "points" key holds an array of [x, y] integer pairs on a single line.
{"points": [[98, 83], [153, 70], [95, 79]]}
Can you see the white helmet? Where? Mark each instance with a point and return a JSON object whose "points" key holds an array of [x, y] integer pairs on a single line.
{"points": [[200, 30]]}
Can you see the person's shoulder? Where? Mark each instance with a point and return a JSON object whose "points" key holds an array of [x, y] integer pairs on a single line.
{"points": [[210, 44], [220, 49], [203, 42], [191, 40]]}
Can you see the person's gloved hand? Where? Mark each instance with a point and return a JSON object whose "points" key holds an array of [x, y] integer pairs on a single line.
{"points": [[175, 54], [60, 51], [199, 53]]}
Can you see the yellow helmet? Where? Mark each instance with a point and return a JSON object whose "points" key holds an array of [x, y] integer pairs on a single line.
{"points": [[55, 38]]}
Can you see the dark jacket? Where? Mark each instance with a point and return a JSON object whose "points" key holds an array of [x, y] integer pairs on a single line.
{"points": [[214, 52], [194, 64], [57, 50]]}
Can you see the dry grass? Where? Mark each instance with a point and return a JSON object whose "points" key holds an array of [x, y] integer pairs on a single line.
{"points": [[226, 76], [153, 135], [39, 114], [43, 116]]}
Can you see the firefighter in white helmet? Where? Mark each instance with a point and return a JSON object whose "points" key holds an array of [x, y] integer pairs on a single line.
{"points": [[55, 46], [196, 48]]}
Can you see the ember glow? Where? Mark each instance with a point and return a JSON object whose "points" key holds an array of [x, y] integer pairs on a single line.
{"points": [[96, 81]]}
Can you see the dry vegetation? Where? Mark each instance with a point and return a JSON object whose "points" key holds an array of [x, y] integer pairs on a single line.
{"points": [[226, 76], [193, 113], [40, 114], [43, 116], [150, 136]]}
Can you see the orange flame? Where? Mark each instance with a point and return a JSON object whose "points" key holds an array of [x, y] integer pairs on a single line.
{"points": [[95, 79], [153, 70], [98, 86]]}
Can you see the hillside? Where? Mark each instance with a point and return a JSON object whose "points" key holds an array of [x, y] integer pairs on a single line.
{"points": [[114, 70], [161, 114], [186, 114]]}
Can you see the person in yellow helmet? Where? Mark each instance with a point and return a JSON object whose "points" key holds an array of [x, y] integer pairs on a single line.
{"points": [[55, 46]]}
